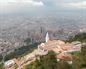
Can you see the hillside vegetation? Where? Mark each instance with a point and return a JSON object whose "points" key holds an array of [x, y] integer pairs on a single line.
{"points": [[79, 37]]}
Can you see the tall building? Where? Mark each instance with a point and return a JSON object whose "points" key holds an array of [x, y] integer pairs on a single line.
{"points": [[47, 37]]}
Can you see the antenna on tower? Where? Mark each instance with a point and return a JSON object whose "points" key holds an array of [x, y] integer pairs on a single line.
{"points": [[47, 37]]}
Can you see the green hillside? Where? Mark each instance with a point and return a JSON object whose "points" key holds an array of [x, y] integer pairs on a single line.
{"points": [[79, 37]]}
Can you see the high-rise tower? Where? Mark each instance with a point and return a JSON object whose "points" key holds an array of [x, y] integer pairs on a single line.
{"points": [[47, 37]]}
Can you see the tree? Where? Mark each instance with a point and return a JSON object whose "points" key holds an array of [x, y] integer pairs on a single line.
{"points": [[1, 66], [83, 55]]}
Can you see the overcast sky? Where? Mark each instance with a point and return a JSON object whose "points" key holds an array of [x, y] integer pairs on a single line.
{"points": [[23, 6]]}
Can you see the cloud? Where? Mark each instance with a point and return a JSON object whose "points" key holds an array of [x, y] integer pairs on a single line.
{"points": [[36, 5], [29, 2], [19, 5], [81, 4], [32, 2]]}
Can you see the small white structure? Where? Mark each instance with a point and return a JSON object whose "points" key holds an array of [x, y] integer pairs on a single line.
{"points": [[9, 63], [58, 60], [69, 62]]}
